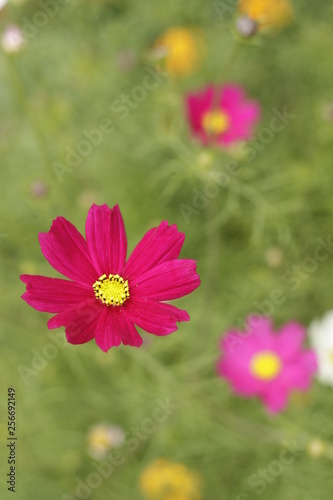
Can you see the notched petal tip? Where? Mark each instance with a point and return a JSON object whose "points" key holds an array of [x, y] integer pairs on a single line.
{"points": [[53, 323], [195, 267], [104, 206], [25, 278], [135, 342], [106, 347], [158, 245], [66, 251], [186, 317], [53, 227], [25, 297]]}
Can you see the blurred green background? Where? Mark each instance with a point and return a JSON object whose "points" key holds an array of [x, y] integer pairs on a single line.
{"points": [[263, 223]]}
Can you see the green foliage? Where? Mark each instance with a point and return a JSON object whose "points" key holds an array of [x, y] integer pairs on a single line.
{"points": [[66, 80]]}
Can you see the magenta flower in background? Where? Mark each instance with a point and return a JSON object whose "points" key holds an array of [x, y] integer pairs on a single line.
{"points": [[266, 364], [222, 115], [105, 296]]}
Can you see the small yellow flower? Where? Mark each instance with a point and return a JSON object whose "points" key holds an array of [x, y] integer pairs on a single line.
{"points": [[181, 50], [270, 15], [164, 480]]}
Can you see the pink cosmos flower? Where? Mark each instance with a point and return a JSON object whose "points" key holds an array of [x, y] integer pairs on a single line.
{"points": [[222, 115], [267, 364], [105, 296]]}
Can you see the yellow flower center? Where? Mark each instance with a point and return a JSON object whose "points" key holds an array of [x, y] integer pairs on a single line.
{"points": [[165, 480], [112, 290], [258, 11], [268, 13], [182, 49], [215, 122], [265, 365], [99, 437]]}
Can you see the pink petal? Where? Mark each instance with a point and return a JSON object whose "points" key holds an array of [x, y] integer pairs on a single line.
{"points": [[275, 400], [66, 250], [259, 332], [310, 361], [242, 122], [115, 328], [80, 321], [240, 356], [256, 337], [245, 387], [243, 114], [106, 238], [171, 280], [295, 377], [289, 340], [154, 317], [197, 105], [239, 347], [107, 333], [231, 97], [239, 376], [158, 245], [129, 333], [235, 363], [53, 295]]}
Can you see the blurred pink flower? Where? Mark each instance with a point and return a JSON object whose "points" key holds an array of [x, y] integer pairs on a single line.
{"points": [[222, 115], [105, 296], [266, 364], [38, 189], [12, 39]]}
